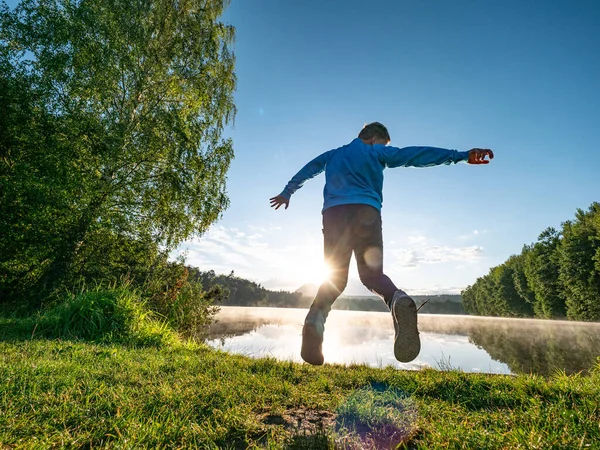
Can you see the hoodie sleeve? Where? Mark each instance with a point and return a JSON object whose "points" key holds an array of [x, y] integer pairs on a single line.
{"points": [[420, 156], [310, 170]]}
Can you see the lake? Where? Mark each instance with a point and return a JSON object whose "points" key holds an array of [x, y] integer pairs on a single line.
{"points": [[466, 343]]}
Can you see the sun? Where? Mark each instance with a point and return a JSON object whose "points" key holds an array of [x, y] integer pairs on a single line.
{"points": [[312, 272]]}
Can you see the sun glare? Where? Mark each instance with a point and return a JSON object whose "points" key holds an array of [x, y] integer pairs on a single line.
{"points": [[313, 272]]}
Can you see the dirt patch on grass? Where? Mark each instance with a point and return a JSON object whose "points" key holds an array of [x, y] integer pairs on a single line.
{"points": [[316, 429], [301, 419]]}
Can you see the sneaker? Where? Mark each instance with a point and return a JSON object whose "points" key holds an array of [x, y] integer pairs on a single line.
{"points": [[407, 344], [312, 337]]}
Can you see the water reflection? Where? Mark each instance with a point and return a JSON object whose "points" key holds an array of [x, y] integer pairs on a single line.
{"points": [[471, 344], [543, 347]]}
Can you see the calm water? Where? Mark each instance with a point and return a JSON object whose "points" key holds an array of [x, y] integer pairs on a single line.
{"points": [[470, 344]]}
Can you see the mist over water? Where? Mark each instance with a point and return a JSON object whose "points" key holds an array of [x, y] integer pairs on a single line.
{"points": [[470, 344]]}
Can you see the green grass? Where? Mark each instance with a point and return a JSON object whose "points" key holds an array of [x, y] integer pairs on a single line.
{"points": [[73, 393], [106, 315]]}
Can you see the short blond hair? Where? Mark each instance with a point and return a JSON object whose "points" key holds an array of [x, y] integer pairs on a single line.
{"points": [[374, 130]]}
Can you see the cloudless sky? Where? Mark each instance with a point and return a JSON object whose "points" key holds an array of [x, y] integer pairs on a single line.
{"points": [[519, 77]]}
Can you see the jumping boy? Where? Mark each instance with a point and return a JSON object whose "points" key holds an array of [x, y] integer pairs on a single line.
{"points": [[352, 223]]}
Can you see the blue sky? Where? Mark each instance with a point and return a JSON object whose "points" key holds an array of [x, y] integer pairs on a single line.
{"points": [[520, 77]]}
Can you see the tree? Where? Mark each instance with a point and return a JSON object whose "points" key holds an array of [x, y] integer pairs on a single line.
{"points": [[242, 292], [497, 294], [507, 273], [559, 275], [520, 279], [115, 118], [468, 301], [541, 269], [579, 274], [480, 299]]}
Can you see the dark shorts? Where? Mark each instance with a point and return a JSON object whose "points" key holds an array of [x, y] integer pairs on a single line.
{"points": [[353, 228]]}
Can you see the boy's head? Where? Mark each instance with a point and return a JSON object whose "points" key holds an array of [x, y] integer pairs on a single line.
{"points": [[374, 133]]}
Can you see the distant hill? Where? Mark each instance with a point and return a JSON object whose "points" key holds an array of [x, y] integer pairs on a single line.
{"points": [[436, 304], [308, 290], [242, 292]]}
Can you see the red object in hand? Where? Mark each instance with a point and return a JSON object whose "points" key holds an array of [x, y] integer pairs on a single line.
{"points": [[477, 155]]}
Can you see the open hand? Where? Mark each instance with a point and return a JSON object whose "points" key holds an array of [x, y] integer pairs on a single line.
{"points": [[279, 200], [477, 155]]}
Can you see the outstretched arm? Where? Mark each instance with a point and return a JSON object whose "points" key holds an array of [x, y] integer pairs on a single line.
{"points": [[431, 156], [310, 170]]}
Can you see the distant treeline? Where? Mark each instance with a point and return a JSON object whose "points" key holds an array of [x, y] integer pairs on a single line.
{"points": [[432, 304], [556, 277], [242, 292]]}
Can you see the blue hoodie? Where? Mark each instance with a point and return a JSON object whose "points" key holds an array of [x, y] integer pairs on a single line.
{"points": [[354, 172]]}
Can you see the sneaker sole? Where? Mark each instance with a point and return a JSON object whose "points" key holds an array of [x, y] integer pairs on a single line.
{"points": [[310, 353], [407, 344]]}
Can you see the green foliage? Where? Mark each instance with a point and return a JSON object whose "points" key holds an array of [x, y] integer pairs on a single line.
{"points": [[242, 292], [502, 291], [480, 299], [469, 300], [117, 315], [184, 302], [109, 257], [111, 132], [34, 183], [541, 270], [520, 280], [556, 277], [505, 291], [579, 273]]}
